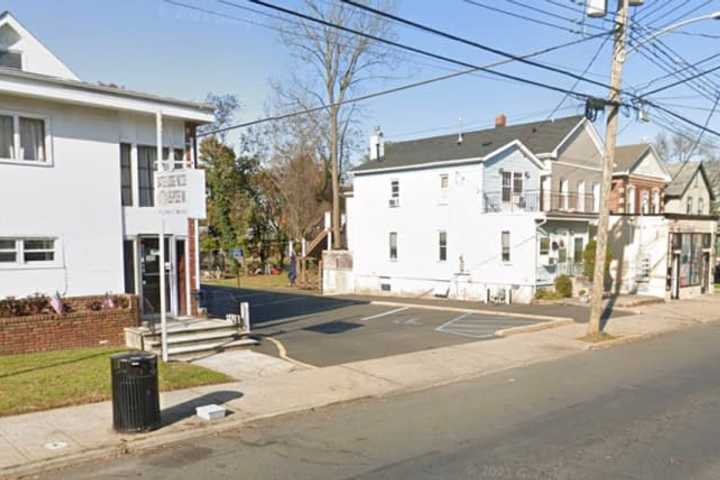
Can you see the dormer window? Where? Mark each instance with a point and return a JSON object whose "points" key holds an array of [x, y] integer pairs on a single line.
{"points": [[10, 59]]}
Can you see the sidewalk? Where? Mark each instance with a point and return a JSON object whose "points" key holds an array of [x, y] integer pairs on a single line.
{"points": [[57, 437]]}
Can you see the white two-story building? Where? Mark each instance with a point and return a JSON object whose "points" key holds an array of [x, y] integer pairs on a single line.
{"points": [[77, 162], [495, 213]]}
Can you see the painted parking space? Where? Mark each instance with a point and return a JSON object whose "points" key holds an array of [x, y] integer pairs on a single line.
{"points": [[480, 326], [324, 331]]}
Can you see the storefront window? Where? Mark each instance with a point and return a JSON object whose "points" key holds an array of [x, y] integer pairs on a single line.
{"points": [[691, 257]]}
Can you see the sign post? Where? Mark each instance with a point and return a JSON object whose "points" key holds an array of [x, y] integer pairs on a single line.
{"points": [[182, 193]]}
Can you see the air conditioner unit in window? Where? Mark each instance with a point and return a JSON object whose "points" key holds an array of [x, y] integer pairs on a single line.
{"points": [[394, 202]]}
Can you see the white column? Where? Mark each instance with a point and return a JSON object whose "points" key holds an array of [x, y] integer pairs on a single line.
{"points": [[163, 286]]}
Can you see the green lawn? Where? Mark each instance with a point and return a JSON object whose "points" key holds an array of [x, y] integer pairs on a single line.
{"points": [[41, 381], [259, 282]]}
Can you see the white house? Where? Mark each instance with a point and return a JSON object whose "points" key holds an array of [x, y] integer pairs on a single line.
{"points": [[492, 213], [77, 162]]}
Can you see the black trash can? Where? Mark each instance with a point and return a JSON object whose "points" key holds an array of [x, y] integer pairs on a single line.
{"points": [[135, 392]]}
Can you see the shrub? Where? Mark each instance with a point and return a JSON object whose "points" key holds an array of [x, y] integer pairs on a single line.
{"points": [[563, 286], [589, 260]]}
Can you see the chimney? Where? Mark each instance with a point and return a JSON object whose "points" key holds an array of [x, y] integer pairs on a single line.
{"points": [[377, 145], [500, 120]]}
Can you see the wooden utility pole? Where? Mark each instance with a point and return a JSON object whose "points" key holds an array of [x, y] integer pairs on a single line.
{"points": [[596, 304]]}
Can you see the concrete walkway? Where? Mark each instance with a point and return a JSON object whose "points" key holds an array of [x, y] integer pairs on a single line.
{"points": [[57, 437]]}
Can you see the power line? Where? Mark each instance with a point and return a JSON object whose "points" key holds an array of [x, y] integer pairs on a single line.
{"points": [[679, 82], [471, 43], [675, 72], [392, 90], [522, 17], [697, 141], [550, 14]]}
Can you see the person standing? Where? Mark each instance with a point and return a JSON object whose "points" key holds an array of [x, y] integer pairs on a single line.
{"points": [[292, 270]]}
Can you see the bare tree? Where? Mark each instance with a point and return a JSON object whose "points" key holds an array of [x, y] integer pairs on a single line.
{"points": [[679, 148], [331, 65]]}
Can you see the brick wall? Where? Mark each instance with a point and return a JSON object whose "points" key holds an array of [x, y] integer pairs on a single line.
{"points": [[42, 333]]}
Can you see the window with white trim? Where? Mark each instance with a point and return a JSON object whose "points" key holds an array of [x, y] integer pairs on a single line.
{"points": [[442, 243], [23, 138], [146, 157], [444, 186], [505, 241], [11, 59], [26, 251], [701, 206], [178, 160], [689, 207], [393, 246]]}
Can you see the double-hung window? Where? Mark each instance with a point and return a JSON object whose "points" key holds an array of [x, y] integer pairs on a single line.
{"points": [[506, 186], [444, 185], [689, 206], [505, 243], [178, 159], [26, 251], [393, 246], [126, 183], [23, 138], [395, 193], [442, 243], [146, 157]]}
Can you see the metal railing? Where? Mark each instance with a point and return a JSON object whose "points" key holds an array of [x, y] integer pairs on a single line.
{"points": [[548, 273], [538, 201]]}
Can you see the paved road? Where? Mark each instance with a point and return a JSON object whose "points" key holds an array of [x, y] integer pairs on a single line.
{"points": [[324, 331], [643, 411]]}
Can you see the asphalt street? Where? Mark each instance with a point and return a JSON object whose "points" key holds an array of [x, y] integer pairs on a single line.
{"points": [[324, 331], [647, 410]]}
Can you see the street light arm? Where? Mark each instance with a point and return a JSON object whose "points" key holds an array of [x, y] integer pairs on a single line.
{"points": [[675, 26]]}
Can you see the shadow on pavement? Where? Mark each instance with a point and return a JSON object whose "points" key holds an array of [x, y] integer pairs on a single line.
{"points": [[268, 305], [185, 410]]}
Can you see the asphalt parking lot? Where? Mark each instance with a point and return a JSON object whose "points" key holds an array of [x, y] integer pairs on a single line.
{"points": [[324, 331]]}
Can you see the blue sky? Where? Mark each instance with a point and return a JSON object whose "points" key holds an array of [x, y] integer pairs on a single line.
{"points": [[152, 46]]}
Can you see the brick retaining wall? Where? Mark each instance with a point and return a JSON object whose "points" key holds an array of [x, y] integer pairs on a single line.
{"points": [[42, 333]]}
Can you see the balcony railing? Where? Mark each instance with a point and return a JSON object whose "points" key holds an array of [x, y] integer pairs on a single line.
{"points": [[537, 201]]}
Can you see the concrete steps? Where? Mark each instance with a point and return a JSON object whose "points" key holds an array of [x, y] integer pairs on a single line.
{"points": [[190, 339]]}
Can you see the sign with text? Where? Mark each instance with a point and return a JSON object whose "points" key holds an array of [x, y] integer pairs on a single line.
{"points": [[181, 192]]}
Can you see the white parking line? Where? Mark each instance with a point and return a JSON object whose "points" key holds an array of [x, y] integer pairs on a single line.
{"points": [[450, 322], [380, 315]]}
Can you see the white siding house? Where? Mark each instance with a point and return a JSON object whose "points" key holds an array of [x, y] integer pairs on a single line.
{"points": [[472, 216], [76, 166]]}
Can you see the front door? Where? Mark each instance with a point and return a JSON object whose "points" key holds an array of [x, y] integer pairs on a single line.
{"points": [[150, 268]]}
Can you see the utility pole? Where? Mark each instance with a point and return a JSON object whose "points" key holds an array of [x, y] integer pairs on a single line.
{"points": [[596, 303]]}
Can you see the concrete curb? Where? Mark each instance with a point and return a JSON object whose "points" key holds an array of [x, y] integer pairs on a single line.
{"points": [[470, 310], [537, 327]]}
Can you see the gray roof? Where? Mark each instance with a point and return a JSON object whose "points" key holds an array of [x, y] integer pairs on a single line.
{"points": [[682, 174], [539, 137], [626, 156]]}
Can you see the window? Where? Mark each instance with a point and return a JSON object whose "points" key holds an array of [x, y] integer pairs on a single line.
{"points": [[7, 136], [23, 138], [38, 250], [395, 193], [21, 251], [442, 242], [506, 186], [701, 206], [505, 243], [564, 194], [393, 246], [8, 251], [126, 174], [517, 183], [630, 205], [544, 245], [10, 59], [691, 256], [32, 139], [645, 202], [146, 174], [578, 250], [178, 160], [689, 207], [656, 201]]}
